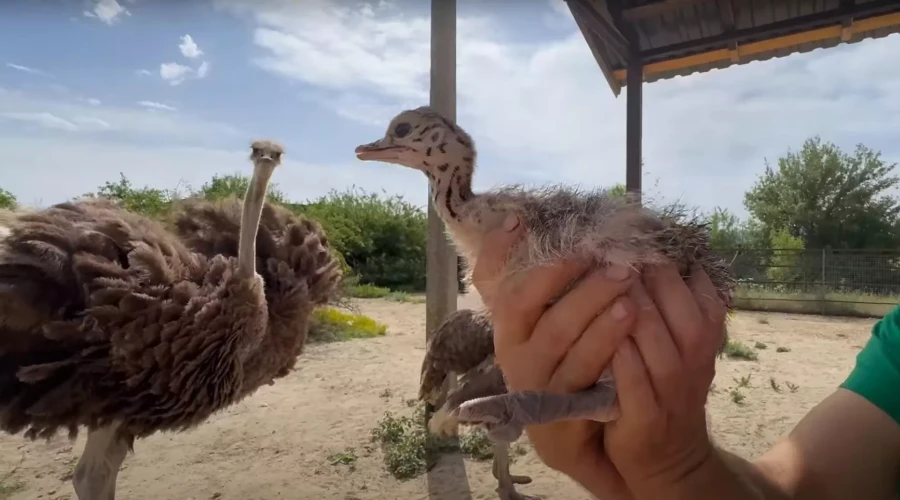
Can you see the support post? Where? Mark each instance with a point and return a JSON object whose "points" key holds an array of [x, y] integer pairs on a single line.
{"points": [[441, 260], [634, 109]]}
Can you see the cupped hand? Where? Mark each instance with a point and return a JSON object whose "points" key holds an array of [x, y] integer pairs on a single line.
{"points": [[663, 370], [663, 374], [563, 347]]}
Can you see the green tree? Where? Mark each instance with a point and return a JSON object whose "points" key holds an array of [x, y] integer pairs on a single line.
{"points": [[728, 232], [827, 197], [7, 199], [787, 252], [618, 190], [148, 201], [223, 186], [382, 238]]}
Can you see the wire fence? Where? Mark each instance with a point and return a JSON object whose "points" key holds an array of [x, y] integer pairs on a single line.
{"points": [[819, 281]]}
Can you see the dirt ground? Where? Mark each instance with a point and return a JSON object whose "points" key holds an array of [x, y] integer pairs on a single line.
{"points": [[274, 444]]}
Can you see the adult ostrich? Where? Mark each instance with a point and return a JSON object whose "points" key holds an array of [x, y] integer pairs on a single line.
{"points": [[109, 321]]}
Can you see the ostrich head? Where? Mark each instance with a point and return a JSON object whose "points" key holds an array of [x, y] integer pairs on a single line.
{"points": [[424, 140], [266, 156]]}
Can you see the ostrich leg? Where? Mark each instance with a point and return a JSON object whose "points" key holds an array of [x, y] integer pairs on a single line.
{"points": [[97, 469], [507, 482], [506, 415]]}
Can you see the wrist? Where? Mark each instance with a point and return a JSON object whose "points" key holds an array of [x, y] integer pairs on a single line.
{"points": [[711, 478]]}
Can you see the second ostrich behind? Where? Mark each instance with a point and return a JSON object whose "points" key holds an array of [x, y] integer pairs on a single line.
{"points": [[561, 223], [109, 321]]}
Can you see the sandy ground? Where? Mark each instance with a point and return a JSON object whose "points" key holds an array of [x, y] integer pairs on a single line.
{"points": [[274, 444]]}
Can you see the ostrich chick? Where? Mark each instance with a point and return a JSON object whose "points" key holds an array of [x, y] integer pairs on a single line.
{"points": [[561, 223]]}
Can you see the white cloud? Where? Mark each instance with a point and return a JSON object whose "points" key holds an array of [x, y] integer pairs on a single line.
{"points": [[144, 72], [91, 123], [156, 105], [93, 102], [73, 116], [43, 119], [26, 69], [174, 73], [107, 11], [189, 48], [541, 109], [202, 70]]}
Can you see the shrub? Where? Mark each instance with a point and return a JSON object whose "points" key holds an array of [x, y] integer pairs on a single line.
{"points": [[367, 291], [331, 325]]}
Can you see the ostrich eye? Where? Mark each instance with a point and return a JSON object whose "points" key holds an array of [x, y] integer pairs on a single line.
{"points": [[402, 129], [254, 151]]}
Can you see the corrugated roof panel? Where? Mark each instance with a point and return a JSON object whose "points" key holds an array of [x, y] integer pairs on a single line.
{"points": [[799, 49], [696, 21]]}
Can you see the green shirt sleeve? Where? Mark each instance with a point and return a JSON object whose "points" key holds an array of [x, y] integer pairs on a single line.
{"points": [[876, 375]]}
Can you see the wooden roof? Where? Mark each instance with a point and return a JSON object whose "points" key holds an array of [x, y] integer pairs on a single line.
{"points": [[681, 37]]}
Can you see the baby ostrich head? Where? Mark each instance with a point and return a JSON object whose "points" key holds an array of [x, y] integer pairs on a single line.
{"points": [[266, 156], [423, 139]]}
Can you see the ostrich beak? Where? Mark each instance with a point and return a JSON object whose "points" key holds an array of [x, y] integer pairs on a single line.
{"points": [[380, 150]]}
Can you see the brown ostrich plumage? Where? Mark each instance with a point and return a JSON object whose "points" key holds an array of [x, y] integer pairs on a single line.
{"points": [[561, 223], [111, 322], [293, 258]]}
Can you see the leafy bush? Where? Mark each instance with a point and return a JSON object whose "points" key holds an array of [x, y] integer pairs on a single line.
{"points": [[331, 325], [7, 199], [381, 238], [367, 291]]}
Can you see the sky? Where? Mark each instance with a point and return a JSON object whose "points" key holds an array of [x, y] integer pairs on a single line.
{"points": [[171, 93]]}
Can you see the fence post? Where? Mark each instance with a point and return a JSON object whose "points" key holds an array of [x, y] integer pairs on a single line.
{"points": [[823, 290]]}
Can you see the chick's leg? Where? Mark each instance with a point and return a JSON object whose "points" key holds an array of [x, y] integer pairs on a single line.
{"points": [[506, 415]]}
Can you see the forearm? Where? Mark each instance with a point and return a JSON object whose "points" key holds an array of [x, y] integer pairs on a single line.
{"points": [[721, 475]]}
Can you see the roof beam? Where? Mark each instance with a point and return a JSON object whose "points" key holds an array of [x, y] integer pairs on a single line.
{"points": [[601, 27], [655, 9]]}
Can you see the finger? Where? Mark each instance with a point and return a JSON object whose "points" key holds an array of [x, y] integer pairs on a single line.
{"points": [[565, 321], [522, 298], [652, 337], [677, 306], [637, 402], [712, 309], [585, 362], [706, 295], [495, 248]]}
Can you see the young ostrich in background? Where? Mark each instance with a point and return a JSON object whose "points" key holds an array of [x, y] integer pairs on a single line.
{"points": [[109, 321], [561, 223]]}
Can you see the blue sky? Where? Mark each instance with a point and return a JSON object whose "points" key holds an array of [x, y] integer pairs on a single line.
{"points": [[172, 92]]}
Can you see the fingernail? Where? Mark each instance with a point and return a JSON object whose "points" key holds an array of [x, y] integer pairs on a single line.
{"points": [[616, 272], [618, 311], [511, 222]]}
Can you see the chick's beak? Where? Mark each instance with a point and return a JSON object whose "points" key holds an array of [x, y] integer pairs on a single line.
{"points": [[379, 150]]}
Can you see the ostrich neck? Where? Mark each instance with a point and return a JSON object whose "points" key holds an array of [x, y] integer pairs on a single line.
{"points": [[252, 210], [451, 189]]}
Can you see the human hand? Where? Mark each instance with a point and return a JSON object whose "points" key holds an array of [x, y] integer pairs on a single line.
{"points": [[562, 348], [663, 374]]}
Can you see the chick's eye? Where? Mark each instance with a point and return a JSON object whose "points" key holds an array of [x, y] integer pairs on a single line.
{"points": [[402, 129]]}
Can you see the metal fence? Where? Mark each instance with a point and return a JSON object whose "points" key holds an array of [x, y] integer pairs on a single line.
{"points": [[820, 281]]}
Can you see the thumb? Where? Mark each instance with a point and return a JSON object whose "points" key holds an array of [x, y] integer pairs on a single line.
{"points": [[492, 255]]}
